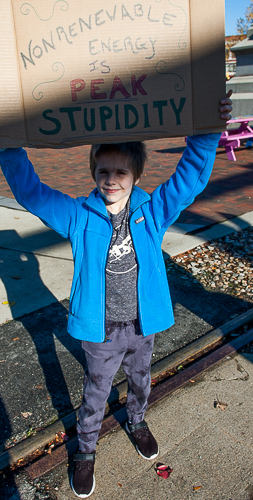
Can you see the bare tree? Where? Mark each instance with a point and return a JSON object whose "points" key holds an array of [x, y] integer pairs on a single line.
{"points": [[243, 24]]}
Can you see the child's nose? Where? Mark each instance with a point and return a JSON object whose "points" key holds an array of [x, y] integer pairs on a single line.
{"points": [[111, 179]]}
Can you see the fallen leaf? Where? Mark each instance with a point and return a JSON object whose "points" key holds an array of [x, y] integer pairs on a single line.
{"points": [[26, 414], [58, 438], [17, 338], [196, 488], [192, 381], [180, 367], [120, 485], [163, 471], [220, 404], [61, 437]]}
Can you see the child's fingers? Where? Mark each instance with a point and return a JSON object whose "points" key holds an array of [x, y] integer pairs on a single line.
{"points": [[227, 99], [226, 117], [226, 109], [226, 102], [225, 113]]}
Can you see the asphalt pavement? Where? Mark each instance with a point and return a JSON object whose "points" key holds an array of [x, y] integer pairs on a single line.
{"points": [[41, 366]]}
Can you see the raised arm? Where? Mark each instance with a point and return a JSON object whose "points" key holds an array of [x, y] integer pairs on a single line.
{"points": [[55, 209], [191, 176]]}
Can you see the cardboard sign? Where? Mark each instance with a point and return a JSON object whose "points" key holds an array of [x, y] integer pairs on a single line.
{"points": [[77, 72]]}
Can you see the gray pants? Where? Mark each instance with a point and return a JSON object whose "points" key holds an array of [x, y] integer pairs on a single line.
{"points": [[125, 345]]}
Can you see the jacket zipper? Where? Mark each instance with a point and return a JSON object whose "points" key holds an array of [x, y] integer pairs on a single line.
{"points": [[108, 246], [138, 289], [105, 260]]}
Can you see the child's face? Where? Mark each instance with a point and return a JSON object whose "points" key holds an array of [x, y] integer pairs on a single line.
{"points": [[114, 179]]}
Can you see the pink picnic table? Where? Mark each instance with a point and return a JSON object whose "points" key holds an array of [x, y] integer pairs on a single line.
{"points": [[232, 138]]}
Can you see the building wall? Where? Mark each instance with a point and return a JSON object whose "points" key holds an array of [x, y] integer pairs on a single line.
{"points": [[230, 41]]}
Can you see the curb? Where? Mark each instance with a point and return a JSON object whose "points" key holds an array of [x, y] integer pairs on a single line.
{"points": [[159, 369], [175, 243]]}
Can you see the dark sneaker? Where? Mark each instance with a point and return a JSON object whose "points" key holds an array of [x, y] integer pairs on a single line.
{"points": [[83, 480], [145, 442]]}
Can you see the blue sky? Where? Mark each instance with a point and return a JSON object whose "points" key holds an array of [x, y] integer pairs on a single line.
{"points": [[234, 9]]}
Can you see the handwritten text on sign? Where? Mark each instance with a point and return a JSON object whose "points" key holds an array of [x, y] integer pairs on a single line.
{"points": [[123, 68]]}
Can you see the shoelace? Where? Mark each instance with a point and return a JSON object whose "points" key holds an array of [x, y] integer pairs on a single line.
{"points": [[142, 432]]}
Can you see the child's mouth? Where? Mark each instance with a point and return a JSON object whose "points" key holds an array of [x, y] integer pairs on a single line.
{"points": [[111, 191]]}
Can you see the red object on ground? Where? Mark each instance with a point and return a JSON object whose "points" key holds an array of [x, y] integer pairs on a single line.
{"points": [[164, 471]]}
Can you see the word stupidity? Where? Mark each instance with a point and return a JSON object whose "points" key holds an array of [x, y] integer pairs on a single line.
{"points": [[112, 117]]}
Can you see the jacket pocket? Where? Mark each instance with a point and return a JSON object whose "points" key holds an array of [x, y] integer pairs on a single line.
{"points": [[75, 292]]}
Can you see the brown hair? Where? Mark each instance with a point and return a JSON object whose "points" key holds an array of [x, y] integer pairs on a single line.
{"points": [[134, 152]]}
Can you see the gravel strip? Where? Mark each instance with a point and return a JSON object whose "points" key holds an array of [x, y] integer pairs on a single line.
{"points": [[224, 265]]}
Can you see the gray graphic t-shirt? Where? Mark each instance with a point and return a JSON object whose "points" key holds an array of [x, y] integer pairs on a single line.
{"points": [[121, 271]]}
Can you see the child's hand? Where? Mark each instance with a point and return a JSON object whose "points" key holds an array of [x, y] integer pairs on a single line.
{"points": [[226, 107]]}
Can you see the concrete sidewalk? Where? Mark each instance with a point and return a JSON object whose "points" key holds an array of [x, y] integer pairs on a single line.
{"points": [[37, 266], [209, 450]]}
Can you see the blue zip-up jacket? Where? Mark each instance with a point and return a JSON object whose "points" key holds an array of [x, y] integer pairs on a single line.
{"points": [[85, 222]]}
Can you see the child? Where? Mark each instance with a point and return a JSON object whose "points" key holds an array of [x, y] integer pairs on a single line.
{"points": [[119, 297]]}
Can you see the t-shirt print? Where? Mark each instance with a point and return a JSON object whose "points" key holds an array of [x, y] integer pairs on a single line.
{"points": [[121, 271], [119, 255]]}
